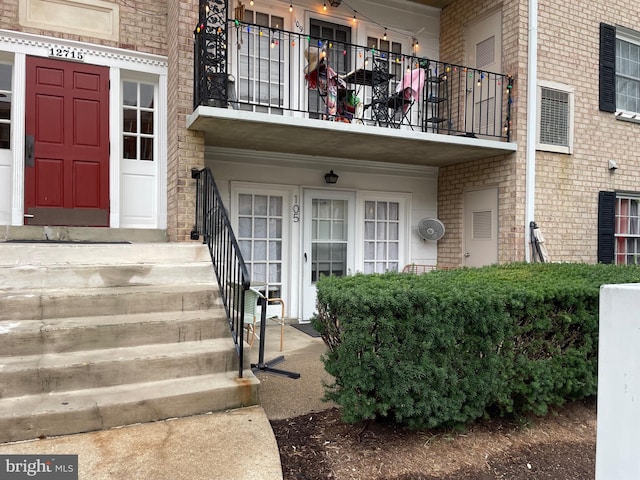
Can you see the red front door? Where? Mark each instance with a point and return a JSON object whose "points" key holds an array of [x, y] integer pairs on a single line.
{"points": [[67, 128]]}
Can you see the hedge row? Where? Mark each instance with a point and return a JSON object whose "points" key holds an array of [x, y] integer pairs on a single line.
{"points": [[448, 347]]}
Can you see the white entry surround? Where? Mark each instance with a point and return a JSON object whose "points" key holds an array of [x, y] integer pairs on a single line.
{"points": [[618, 434], [412, 189], [137, 193]]}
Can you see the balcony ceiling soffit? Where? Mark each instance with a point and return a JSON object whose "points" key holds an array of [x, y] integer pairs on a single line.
{"points": [[237, 129]]}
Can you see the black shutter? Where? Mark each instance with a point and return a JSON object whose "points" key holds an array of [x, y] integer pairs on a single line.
{"points": [[606, 226], [607, 68]]}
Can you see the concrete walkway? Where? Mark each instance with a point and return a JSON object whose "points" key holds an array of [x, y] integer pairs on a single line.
{"points": [[232, 445]]}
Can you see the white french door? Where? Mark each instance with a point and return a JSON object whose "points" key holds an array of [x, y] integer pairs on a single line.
{"points": [[261, 233], [262, 60], [328, 240]]}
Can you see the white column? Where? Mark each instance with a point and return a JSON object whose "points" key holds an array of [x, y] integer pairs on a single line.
{"points": [[618, 434], [17, 142], [115, 148]]}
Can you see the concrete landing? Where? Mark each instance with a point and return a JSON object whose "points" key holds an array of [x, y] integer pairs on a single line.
{"points": [[234, 445]]}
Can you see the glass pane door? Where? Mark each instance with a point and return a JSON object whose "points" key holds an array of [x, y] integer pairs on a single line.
{"points": [[329, 238], [334, 40], [260, 226], [328, 223], [261, 53]]}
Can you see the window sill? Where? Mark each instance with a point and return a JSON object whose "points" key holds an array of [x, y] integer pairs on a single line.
{"points": [[544, 147], [627, 116]]}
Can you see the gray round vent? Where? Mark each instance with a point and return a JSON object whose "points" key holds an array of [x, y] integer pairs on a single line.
{"points": [[430, 229]]}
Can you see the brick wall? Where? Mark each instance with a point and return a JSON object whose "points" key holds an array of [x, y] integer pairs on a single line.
{"points": [[185, 147], [507, 172], [567, 186], [143, 26]]}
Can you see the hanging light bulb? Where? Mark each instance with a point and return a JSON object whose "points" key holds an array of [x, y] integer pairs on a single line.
{"points": [[251, 3], [324, 7], [354, 16], [290, 7], [385, 35]]}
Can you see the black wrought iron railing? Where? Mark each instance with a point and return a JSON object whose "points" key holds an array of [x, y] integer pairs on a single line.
{"points": [[213, 225], [251, 67]]}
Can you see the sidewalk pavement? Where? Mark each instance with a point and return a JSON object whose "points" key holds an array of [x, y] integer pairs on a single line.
{"points": [[232, 445]]}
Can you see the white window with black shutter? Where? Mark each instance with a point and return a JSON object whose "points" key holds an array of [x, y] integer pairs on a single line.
{"points": [[620, 72], [619, 228]]}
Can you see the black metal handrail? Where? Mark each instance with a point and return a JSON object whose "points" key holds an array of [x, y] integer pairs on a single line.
{"points": [[213, 224], [268, 72]]}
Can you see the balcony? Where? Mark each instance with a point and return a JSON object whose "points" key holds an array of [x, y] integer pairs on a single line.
{"points": [[274, 90]]}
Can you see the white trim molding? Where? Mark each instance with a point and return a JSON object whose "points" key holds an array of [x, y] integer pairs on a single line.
{"points": [[39, 45]]}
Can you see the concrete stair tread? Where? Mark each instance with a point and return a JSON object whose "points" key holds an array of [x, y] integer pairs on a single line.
{"points": [[110, 355], [87, 292], [39, 304], [42, 254], [48, 324], [86, 276], [53, 335], [61, 413], [121, 394]]}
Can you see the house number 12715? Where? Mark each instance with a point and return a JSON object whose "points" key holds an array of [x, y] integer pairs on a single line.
{"points": [[67, 53]]}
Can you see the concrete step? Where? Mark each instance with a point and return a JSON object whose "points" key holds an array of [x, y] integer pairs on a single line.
{"points": [[94, 276], [52, 414], [34, 233], [39, 304], [56, 335], [45, 254], [57, 372], [94, 336]]}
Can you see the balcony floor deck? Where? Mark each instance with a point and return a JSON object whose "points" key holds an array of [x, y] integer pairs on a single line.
{"points": [[229, 128]]}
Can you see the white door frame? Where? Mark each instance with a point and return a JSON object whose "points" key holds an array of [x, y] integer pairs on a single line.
{"points": [[15, 46], [288, 261]]}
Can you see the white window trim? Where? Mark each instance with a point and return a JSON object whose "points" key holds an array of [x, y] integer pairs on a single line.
{"points": [[631, 36], [617, 234], [404, 200], [290, 232], [570, 91]]}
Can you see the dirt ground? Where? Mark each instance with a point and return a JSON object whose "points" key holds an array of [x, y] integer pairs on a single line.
{"points": [[560, 446]]}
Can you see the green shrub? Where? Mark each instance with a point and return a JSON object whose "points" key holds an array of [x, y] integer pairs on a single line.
{"points": [[444, 348]]}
